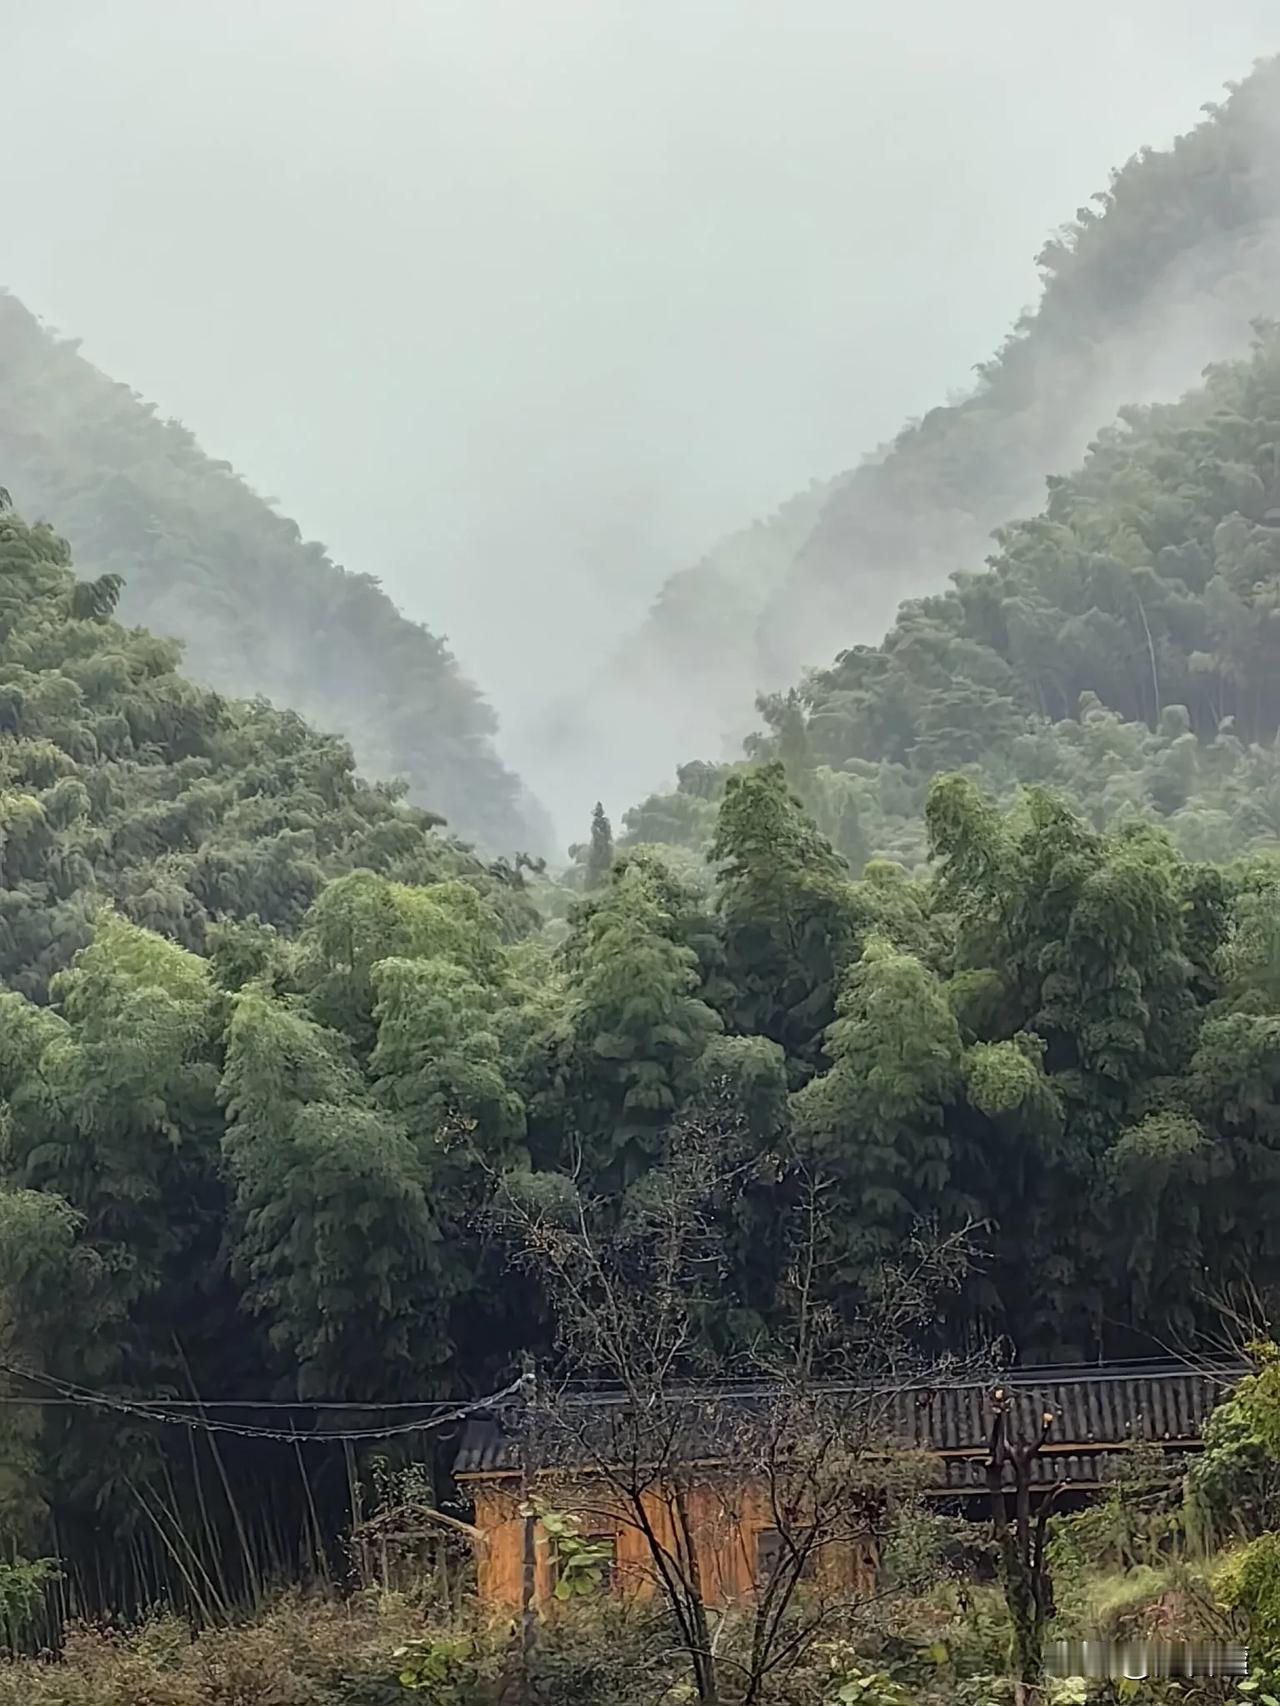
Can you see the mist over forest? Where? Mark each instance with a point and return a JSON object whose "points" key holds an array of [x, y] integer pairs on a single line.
{"points": [[656, 656], [522, 311]]}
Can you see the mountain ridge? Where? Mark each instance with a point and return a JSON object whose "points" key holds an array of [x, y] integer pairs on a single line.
{"points": [[1161, 276], [259, 609]]}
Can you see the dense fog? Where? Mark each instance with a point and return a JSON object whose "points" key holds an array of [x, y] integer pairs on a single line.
{"points": [[902, 381], [519, 308]]}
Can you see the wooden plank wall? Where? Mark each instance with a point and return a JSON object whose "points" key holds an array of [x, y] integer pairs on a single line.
{"points": [[726, 1525]]}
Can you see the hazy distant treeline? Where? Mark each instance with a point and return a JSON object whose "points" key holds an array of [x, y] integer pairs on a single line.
{"points": [[1162, 275], [259, 609]]}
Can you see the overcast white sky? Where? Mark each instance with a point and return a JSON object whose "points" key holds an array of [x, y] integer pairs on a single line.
{"points": [[517, 304]]}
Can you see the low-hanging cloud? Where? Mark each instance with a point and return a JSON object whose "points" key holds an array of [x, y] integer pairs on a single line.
{"points": [[521, 307]]}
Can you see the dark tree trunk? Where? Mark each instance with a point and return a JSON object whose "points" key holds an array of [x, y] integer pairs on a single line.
{"points": [[1024, 1572]]}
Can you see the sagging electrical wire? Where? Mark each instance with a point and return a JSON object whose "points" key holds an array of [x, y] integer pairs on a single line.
{"points": [[88, 1398]]}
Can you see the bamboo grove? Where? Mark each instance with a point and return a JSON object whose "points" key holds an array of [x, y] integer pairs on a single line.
{"points": [[980, 933], [269, 1036]]}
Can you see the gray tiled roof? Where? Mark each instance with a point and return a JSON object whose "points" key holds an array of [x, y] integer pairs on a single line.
{"points": [[1094, 1407], [965, 1475]]}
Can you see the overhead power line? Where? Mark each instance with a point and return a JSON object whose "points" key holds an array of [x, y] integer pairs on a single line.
{"points": [[172, 1414], [419, 1406]]}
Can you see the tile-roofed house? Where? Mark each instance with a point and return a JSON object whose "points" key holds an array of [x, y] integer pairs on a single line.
{"points": [[1098, 1413]]}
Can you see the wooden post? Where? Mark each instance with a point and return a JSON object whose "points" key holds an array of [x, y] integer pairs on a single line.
{"points": [[356, 1494], [529, 1569], [1024, 1570]]}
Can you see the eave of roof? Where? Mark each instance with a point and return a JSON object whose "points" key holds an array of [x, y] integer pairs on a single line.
{"points": [[1095, 1409]]}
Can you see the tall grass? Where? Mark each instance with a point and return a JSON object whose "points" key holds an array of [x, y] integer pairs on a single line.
{"points": [[306, 1652]]}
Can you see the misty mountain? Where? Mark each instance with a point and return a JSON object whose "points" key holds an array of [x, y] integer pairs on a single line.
{"points": [[259, 609], [676, 684], [1161, 275], [123, 784], [1121, 648]]}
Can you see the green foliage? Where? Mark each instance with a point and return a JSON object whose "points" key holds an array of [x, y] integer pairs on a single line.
{"points": [[1119, 1556], [443, 1668], [746, 1077], [268, 1164], [608, 1652], [636, 1023], [121, 781], [438, 1057], [204, 1185], [1233, 1486], [260, 610], [786, 913], [870, 1688], [923, 1547], [333, 1234], [581, 1564], [876, 1121], [1164, 258], [1249, 1582], [599, 862], [1118, 650], [961, 943], [312, 1650], [22, 1590]]}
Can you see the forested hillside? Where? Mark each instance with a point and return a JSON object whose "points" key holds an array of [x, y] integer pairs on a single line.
{"points": [[1160, 276], [259, 609], [123, 783], [258, 1115], [1121, 647], [978, 943]]}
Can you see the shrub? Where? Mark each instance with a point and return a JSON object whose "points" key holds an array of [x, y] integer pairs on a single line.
{"points": [[317, 1653], [375, 1650]]}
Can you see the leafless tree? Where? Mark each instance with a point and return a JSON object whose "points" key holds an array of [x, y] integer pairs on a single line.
{"points": [[697, 1451], [1012, 1451]]}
